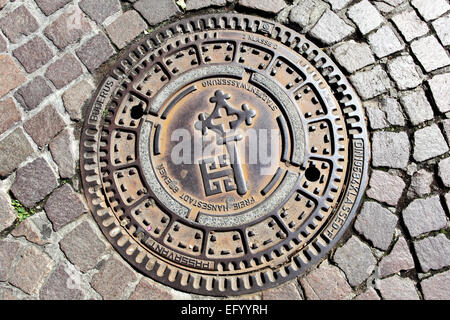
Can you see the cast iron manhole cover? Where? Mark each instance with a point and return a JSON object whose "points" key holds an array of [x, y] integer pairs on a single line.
{"points": [[224, 154]]}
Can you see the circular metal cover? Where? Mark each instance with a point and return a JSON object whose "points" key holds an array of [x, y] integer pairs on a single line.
{"points": [[287, 171]]}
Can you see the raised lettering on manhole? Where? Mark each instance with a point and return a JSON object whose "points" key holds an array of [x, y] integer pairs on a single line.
{"points": [[224, 154]]}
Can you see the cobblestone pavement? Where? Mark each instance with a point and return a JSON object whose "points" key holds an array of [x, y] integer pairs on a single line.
{"points": [[395, 52]]}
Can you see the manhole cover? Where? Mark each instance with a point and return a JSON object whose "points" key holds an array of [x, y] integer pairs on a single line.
{"points": [[224, 154]]}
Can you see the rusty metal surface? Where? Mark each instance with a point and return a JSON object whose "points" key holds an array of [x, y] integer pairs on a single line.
{"points": [[216, 225]]}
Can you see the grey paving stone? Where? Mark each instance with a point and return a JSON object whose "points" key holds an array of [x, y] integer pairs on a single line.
{"points": [[433, 252], [10, 75], [331, 28], [376, 224], [99, 10], [396, 288], [7, 213], [63, 206], [3, 44], [63, 31], [33, 54], [33, 93], [365, 16], [35, 229], [390, 149], [113, 279], [326, 283], [338, 4], [14, 149], [18, 23], [384, 113], [420, 184], [353, 55], [369, 294], [381, 181], [125, 28], [34, 182], [9, 114], [430, 53], [83, 247], [44, 125], [437, 287], [51, 6], [95, 52], [64, 70], [431, 10], [446, 125], [417, 107], [75, 97], [61, 149], [444, 171], [306, 13], [157, 11], [60, 286], [356, 260], [439, 86], [399, 259], [287, 291], [410, 25], [9, 249], [442, 28], [271, 6], [371, 83], [384, 42], [429, 143], [200, 4], [148, 290], [404, 72], [31, 270]]}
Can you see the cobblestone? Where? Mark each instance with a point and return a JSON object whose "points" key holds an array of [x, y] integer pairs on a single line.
{"points": [[35, 229], [442, 28], [18, 23], [420, 183], [352, 55], [338, 4], [14, 149], [396, 288], [424, 215], [326, 283], [356, 260], [404, 72], [33, 54], [381, 181], [83, 247], [51, 6], [390, 149], [287, 291], [64, 71], [331, 29], [125, 28], [384, 42], [429, 143], [385, 113], [31, 270], [439, 85], [156, 11], [75, 97], [9, 249], [400, 259], [371, 83], [306, 13], [9, 114], [34, 182], [200, 4], [10, 75], [62, 153], [376, 224], [33, 93], [430, 53], [100, 10], [431, 10], [113, 279], [417, 106], [148, 290], [444, 171], [437, 287], [3, 44], [433, 252], [63, 206], [7, 213], [369, 294], [410, 25], [365, 16], [44, 125], [60, 286], [95, 52], [272, 6]]}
